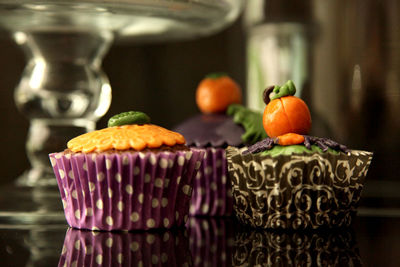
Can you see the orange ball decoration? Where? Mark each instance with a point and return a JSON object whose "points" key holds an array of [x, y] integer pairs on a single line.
{"points": [[287, 114], [215, 93]]}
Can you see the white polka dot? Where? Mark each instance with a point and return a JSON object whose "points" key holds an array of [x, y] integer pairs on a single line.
{"points": [[197, 165], [154, 259], [178, 180], [136, 171], [223, 179], [110, 193], [83, 193], [71, 174], [142, 155], [158, 182], [120, 258], [64, 203], [154, 203], [218, 163], [205, 225], [181, 160], [88, 250], [150, 239], [84, 166], [140, 198], [77, 245], [166, 235], [170, 163], [125, 160], [147, 178], [74, 264], [95, 229], [166, 222], [99, 204], [94, 157], [223, 256], [198, 175], [109, 242], [140, 264], [152, 159], [185, 218], [164, 257], [100, 176], [129, 189], [213, 186], [108, 164], [135, 217], [120, 206], [92, 186], [229, 193], [53, 162], [163, 163], [187, 190], [188, 155], [204, 208], [176, 215], [63, 250], [164, 202], [74, 194], [62, 173], [78, 214], [208, 170], [89, 212], [150, 223], [135, 246], [99, 259], [118, 177], [58, 156], [166, 183]]}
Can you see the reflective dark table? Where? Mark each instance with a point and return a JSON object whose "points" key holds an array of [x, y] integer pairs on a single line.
{"points": [[370, 241]]}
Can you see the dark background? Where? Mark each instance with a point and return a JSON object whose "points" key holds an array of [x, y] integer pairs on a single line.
{"points": [[347, 40]]}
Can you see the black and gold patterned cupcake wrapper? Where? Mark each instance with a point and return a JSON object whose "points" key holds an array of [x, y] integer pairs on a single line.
{"points": [[297, 191]]}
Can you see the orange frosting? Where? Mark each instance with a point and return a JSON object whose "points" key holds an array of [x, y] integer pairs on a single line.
{"points": [[134, 136], [290, 139]]}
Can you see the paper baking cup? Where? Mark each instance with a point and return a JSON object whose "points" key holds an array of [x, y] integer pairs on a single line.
{"points": [[87, 248], [126, 191], [212, 193], [296, 248], [297, 191], [211, 241]]}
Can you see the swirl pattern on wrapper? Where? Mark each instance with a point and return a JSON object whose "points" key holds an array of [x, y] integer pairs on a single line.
{"points": [[296, 248], [212, 193], [297, 191], [126, 191], [146, 248]]}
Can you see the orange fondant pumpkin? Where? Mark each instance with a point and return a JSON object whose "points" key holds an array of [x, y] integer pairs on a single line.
{"points": [[215, 94], [287, 114]]}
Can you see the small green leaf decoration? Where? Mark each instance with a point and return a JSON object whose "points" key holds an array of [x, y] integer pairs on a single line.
{"points": [[251, 122], [285, 90], [130, 117]]}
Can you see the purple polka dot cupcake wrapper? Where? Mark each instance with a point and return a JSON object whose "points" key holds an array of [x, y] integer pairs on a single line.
{"points": [[87, 248], [212, 193], [126, 191]]}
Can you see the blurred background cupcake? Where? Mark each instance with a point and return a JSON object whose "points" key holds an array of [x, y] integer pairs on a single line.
{"points": [[223, 122]]}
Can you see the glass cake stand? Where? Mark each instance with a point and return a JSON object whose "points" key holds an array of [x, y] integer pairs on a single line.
{"points": [[63, 91]]}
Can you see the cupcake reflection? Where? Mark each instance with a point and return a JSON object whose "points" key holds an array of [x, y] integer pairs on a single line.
{"points": [[153, 248], [309, 248], [211, 241]]}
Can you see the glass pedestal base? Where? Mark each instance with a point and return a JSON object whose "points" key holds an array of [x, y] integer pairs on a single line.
{"points": [[25, 205]]}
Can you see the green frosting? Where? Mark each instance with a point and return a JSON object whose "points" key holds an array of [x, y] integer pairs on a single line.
{"points": [[285, 90], [251, 122], [294, 149], [130, 117], [216, 75]]}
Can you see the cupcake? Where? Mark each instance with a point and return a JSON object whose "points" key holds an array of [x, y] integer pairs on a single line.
{"points": [[223, 122], [141, 248], [132, 175], [291, 180]]}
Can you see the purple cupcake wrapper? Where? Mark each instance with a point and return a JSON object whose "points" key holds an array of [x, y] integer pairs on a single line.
{"points": [[126, 191], [297, 191], [212, 190], [86, 248]]}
